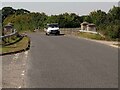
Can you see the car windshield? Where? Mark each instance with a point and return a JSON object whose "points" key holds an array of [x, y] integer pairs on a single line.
{"points": [[53, 25]]}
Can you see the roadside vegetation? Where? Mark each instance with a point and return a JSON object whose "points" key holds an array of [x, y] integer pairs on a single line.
{"points": [[22, 44], [91, 36], [10, 40], [107, 24]]}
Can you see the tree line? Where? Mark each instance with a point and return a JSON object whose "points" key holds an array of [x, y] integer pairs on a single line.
{"points": [[106, 23]]}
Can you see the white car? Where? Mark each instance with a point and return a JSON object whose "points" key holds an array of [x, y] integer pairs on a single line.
{"points": [[52, 29]]}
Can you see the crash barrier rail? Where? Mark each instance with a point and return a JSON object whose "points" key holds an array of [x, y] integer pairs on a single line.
{"points": [[6, 39], [9, 35]]}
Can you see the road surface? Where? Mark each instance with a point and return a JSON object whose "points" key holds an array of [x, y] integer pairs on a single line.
{"points": [[68, 62], [13, 70]]}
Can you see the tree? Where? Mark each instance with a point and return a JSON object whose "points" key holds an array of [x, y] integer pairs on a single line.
{"points": [[114, 14], [98, 17], [7, 11], [87, 18], [22, 11]]}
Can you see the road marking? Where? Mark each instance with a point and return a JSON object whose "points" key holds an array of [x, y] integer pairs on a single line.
{"points": [[26, 54], [23, 71], [22, 74], [16, 57], [19, 87]]}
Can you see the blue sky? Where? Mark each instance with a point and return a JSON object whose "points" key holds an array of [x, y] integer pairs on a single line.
{"points": [[52, 8]]}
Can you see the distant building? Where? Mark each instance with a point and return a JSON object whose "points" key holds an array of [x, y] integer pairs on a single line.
{"points": [[91, 27], [84, 25], [88, 26]]}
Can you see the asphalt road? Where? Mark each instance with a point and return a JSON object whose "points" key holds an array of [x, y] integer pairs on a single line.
{"points": [[68, 62]]}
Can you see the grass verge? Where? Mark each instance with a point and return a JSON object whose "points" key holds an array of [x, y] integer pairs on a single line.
{"points": [[21, 45], [91, 36]]}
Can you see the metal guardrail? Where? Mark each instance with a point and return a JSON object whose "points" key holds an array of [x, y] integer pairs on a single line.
{"points": [[9, 38], [9, 35]]}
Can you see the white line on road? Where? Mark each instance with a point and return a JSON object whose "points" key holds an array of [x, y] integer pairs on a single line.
{"points": [[26, 54], [22, 74], [19, 87], [23, 71], [16, 56]]}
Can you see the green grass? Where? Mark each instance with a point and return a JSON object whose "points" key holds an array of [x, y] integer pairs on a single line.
{"points": [[10, 40], [91, 36], [15, 47]]}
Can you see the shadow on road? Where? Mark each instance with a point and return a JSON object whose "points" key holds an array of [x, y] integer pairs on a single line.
{"points": [[56, 35]]}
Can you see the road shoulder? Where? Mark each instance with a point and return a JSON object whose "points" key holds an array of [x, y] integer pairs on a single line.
{"points": [[14, 70], [108, 43]]}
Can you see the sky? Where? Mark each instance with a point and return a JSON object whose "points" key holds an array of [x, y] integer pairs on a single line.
{"points": [[55, 8]]}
